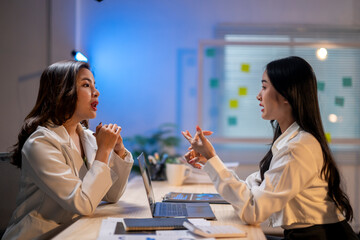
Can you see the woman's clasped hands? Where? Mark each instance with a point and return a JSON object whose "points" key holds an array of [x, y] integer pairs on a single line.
{"points": [[201, 150], [108, 138]]}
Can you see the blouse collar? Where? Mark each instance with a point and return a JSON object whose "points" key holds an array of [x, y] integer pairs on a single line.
{"points": [[285, 137]]}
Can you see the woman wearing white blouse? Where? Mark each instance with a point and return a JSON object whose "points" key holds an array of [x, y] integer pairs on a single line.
{"points": [[298, 184], [66, 170]]}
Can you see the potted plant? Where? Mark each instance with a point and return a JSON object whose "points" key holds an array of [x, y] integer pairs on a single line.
{"points": [[158, 147]]}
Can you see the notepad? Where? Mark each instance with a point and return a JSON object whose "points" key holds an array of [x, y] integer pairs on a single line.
{"points": [[146, 224]]}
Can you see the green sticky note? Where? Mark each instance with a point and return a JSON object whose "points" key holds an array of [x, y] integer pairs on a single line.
{"points": [[328, 137], [210, 52], [339, 101], [242, 91], [321, 86], [245, 67], [232, 121], [233, 103], [214, 83], [347, 81]]}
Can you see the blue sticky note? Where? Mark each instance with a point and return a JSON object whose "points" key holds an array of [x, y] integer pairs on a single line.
{"points": [[347, 81], [210, 52], [339, 101], [214, 82], [321, 86], [232, 121]]}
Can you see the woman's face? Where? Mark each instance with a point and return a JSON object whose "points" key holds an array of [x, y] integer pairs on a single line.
{"points": [[274, 105], [87, 95]]}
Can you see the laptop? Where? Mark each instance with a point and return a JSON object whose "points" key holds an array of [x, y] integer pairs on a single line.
{"points": [[167, 209]]}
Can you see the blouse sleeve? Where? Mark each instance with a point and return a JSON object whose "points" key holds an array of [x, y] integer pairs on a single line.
{"points": [[120, 171], [49, 164], [291, 171]]}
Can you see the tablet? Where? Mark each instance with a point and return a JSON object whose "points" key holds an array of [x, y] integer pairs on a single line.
{"points": [[194, 197]]}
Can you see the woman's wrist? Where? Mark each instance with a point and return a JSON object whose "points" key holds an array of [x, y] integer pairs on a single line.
{"points": [[102, 155], [121, 153], [211, 155]]}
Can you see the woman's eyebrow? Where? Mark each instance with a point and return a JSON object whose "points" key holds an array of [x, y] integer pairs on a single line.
{"points": [[87, 79], [263, 81]]}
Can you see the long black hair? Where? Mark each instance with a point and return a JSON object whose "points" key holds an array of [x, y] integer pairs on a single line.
{"points": [[56, 101], [295, 80]]}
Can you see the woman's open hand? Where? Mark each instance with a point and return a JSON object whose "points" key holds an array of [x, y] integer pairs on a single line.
{"points": [[201, 148], [194, 158]]}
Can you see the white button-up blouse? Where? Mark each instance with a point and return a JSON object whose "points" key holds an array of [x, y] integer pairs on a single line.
{"points": [[57, 185], [292, 194]]}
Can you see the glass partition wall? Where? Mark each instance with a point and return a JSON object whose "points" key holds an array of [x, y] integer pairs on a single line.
{"points": [[229, 79]]}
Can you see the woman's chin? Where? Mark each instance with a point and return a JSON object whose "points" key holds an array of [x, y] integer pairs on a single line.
{"points": [[93, 115]]}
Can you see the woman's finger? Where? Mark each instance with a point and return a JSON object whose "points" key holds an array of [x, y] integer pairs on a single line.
{"points": [[200, 133], [198, 166], [186, 136], [188, 156], [188, 133], [207, 133], [196, 137], [194, 160], [98, 127]]}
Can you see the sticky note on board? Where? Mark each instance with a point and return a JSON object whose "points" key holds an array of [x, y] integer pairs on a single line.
{"points": [[347, 81], [245, 67], [321, 86], [328, 137], [214, 83], [210, 52], [232, 121], [242, 91], [233, 103], [339, 101]]}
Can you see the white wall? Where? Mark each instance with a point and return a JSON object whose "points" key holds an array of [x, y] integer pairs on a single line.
{"points": [[28, 43]]}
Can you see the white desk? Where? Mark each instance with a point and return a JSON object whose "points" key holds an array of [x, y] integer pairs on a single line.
{"points": [[134, 204]]}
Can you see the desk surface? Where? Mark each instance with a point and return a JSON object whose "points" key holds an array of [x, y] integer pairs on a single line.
{"points": [[134, 204]]}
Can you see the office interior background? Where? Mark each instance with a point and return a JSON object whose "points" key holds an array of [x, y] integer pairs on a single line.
{"points": [[146, 61]]}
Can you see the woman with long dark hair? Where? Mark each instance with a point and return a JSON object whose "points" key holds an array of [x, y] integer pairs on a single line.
{"points": [[298, 184], [66, 170]]}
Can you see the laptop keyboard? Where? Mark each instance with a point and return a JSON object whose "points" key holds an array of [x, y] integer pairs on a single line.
{"points": [[172, 209]]}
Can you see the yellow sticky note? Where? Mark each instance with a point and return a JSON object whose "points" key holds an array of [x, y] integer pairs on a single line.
{"points": [[233, 103], [242, 91], [245, 67], [328, 137]]}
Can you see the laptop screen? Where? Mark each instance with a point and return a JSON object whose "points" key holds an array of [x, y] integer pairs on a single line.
{"points": [[147, 181]]}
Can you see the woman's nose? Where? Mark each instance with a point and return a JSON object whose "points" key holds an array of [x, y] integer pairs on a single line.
{"points": [[96, 93], [258, 97]]}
